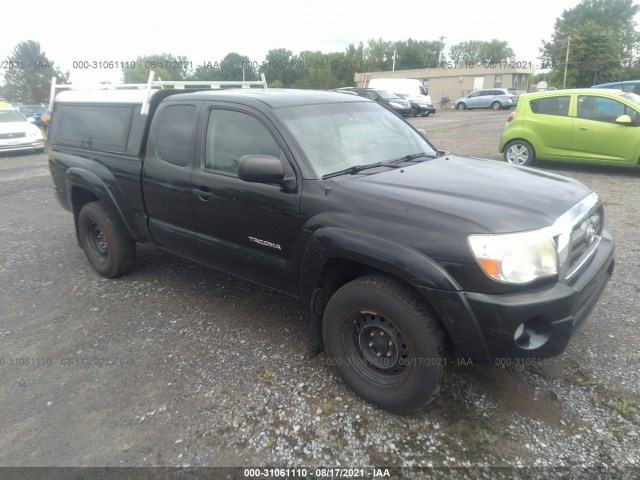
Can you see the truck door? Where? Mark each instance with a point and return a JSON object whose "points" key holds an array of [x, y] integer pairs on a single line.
{"points": [[166, 176], [247, 229]]}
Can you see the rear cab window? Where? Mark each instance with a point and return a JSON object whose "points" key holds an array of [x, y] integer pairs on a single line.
{"points": [[95, 127]]}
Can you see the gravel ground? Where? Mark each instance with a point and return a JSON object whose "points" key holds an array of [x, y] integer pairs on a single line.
{"points": [[178, 365]]}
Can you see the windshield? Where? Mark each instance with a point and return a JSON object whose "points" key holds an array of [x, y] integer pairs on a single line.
{"points": [[31, 109], [337, 136], [632, 96], [7, 116], [388, 95]]}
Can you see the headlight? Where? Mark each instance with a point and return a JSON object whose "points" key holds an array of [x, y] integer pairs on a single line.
{"points": [[396, 104], [516, 257]]}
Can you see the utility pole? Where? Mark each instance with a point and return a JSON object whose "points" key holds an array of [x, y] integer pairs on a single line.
{"points": [[393, 68], [566, 64], [441, 48]]}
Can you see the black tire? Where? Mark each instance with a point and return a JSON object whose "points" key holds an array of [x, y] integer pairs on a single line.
{"points": [[496, 106], [403, 366], [461, 106], [111, 253], [414, 111], [519, 152]]}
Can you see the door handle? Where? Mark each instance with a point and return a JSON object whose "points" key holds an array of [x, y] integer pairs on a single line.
{"points": [[202, 193], [584, 129]]}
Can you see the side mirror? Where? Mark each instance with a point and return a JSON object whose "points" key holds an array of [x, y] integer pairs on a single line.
{"points": [[422, 132], [31, 120], [264, 169], [624, 120]]}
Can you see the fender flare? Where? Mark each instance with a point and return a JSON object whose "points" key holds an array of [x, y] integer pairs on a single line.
{"points": [[80, 178], [385, 255]]}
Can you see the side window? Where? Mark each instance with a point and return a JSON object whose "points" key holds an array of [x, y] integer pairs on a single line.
{"points": [[601, 109], [371, 95], [551, 105], [175, 131], [95, 127], [231, 135]]}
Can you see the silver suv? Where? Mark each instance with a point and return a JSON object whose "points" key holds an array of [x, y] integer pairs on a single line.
{"points": [[496, 98]]}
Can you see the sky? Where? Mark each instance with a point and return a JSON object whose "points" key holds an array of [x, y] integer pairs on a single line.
{"points": [[120, 31]]}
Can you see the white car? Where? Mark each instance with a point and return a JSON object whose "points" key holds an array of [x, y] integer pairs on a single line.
{"points": [[16, 133]]}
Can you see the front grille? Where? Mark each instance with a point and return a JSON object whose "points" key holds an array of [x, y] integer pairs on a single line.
{"points": [[8, 136], [585, 237]]}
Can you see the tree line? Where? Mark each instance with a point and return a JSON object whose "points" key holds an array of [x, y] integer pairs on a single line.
{"points": [[594, 42], [281, 67]]}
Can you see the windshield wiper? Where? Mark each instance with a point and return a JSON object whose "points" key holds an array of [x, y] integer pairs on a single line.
{"points": [[414, 156], [358, 168]]}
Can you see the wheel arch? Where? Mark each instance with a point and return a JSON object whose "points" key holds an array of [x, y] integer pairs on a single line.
{"points": [[335, 257], [332, 250], [84, 187]]}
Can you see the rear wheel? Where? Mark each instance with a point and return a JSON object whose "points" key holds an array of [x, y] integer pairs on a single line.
{"points": [[519, 152], [111, 253], [496, 106], [385, 343]]}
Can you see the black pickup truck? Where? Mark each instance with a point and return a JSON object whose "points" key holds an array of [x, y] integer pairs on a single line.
{"points": [[400, 251]]}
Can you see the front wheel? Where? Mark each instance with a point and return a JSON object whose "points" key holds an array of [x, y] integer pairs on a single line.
{"points": [[519, 152], [385, 343], [111, 253], [461, 106], [414, 111]]}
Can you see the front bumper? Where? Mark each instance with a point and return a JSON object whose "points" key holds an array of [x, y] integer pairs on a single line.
{"points": [[484, 327], [16, 147], [405, 112], [430, 109]]}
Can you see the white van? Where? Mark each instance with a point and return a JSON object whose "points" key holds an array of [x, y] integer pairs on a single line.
{"points": [[410, 86]]}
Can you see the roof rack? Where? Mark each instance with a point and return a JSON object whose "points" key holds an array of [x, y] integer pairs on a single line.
{"points": [[158, 84]]}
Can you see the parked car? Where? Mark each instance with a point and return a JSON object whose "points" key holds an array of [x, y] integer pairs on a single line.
{"points": [[17, 133], [632, 86], [496, 98], [388, 99], [32, 111], [410, 86], [418, 106], [596, 126]]}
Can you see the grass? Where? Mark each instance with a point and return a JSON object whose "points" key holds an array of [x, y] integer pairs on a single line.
{"points": [[238, 417], [624, 406]]}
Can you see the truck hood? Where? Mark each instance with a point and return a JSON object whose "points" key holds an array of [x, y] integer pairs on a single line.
{"points": [[499, 197]]}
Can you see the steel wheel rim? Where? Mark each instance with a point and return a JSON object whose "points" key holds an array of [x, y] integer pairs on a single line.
{"points": [[375, 348], [98, 242]]}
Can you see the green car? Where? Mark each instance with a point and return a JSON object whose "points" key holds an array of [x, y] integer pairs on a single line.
{"points": [[598, 126]]}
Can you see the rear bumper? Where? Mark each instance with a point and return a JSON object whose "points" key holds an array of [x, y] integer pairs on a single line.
{"points": [[533, 324]]}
